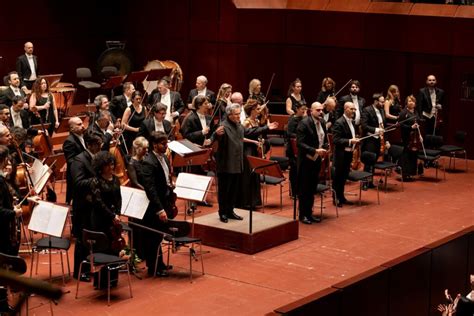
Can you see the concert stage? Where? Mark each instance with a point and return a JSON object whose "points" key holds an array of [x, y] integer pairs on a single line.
{"points": [[268, 231]]}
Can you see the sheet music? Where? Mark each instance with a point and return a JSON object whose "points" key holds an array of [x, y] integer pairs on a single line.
{"points": [[48, 218], [192, 186], [134, 202], [179, 148], [39, 175]]}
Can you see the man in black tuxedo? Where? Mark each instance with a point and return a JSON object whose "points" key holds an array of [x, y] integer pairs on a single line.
{"points": [[156, 122], [201, 89], [13, 81], [20, 117], [353, 97], [373, 123], [196, 126], [311, 141], [27, 67], [172, 99], [156, 180], [344, 142], [121, 102], [103, 126], [430, 99], [329, 113], [73, 146], [82, 173]]}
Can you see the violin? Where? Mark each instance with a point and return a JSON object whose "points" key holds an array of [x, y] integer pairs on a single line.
{"points": [[120, 170], [171, 209], [415, 143], [117, 242]]}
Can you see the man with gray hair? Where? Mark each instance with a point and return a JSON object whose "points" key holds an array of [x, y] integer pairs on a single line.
{"points": [[238, 98], [201, 89]]}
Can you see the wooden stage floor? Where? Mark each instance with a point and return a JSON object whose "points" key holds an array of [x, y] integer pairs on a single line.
{"points": [[325, 253]]}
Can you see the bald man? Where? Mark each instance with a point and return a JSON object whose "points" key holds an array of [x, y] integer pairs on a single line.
{"points": [[430, 99], [201, 89], [27, 67], [73, 146]]}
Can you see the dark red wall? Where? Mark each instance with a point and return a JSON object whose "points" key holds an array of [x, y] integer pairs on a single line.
{"points": [[232, 45]]}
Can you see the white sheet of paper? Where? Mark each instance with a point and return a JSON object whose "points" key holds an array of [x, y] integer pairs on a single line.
{"points": [[48, 218], [134, 202], [179, 148], [193, 181]]}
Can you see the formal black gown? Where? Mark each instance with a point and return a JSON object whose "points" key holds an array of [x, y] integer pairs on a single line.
{"points": [[295, 102], [409, 159], [47, 116], [135, 120]]}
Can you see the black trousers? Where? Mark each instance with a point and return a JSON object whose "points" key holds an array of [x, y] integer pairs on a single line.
{"points": [[371, 144], [342, 164], [227, 194], [308, 179]]}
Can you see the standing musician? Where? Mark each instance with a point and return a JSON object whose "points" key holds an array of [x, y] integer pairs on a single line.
{"points": [[329, 112], [201, 89], [373, 122], [295, 97], [123, 101], [354, 97], [82, 203], [411, 139], [197, 126], [20, 117], [392, 105], [328, 89], [172, 99], [429, 101], [223, 100], [133, 118], [293, 122], [344, 141], [13, 81], [103, 126], [255, 91], [73, 146], [8, 213], [42, 105], [238, 98], [102, 103], [156, 179], [156, 122], [311, 141], [27, 67]]}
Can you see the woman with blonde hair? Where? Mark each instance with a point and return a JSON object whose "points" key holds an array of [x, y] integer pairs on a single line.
{"points": [[328, 89], [392, 104], [223, 100]]}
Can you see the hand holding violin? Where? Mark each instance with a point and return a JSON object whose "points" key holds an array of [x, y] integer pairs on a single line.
{"points": [[17, 210], [162, 216], [354, 141]]}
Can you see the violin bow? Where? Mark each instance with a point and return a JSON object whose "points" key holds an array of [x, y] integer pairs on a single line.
{"points": [[269, 86], [339, 91]]}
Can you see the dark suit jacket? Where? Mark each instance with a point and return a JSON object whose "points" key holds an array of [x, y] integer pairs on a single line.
{"points": [[23, 67], [82, 175], [341, 137], [118, 106], [191, 128], [7, 216], [177, 103], [148, 126], [25, 121], [154, 181], [7, 96], [209, 94], [423, 101], [307, 138], [369, 121], [230, 153], [106, 138], [72, 147], [348, 98]]}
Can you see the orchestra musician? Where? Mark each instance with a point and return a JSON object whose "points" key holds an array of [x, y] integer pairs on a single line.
{"points": [[156, 122], [344, 142], [132, 118], [201, 89], [295, 97], [123, 101], [172, 99], [103, 126], [13, 82], [20, 117], [293, 121], [42, 105], [238, 98], [392, 106], [73, 146], [197, 126], [9, 213], [27, 67], [5, 115], [5, 136], [102, 103], [410, 135], [329, 112], [373, 122], [255, 91], [311, 141], [429, 102], [82, 174], [223, 100], [328, 89], [354, 97], [158, 187]]}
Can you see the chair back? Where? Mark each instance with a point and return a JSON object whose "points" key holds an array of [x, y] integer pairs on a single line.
{"points": [[95, 241], [12, 263], [83, 73], [178, 228], [395, 152], [433, 141], [460, 137], [368, 158]]}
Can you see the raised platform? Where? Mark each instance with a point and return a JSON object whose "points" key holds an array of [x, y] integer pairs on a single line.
{"points": [[268, 231]]}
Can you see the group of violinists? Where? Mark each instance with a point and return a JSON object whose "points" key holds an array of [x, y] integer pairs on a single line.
{"points": [[139, 129]]}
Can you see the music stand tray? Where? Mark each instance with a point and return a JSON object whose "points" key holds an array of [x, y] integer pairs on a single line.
{"points": [[157, 74], [113, 82], [136, 76], [185, 148]]}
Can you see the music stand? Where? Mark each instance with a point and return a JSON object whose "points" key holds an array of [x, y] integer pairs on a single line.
{"points": [[112, 83], [136, 76], [263, 167]]}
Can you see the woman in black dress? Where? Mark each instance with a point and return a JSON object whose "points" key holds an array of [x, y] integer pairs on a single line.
{"points": [[222, 101], [392, 104], [328, 89], [294, 97], [133, 118], [42, 106], [410, 138]]}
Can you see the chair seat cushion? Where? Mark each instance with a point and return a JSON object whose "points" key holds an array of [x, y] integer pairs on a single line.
{"points": [[450, 148], [276, 141], [320, 188], [284, 162], [271, 180], [103, 258], [358, 175], [385, 165], [182, 240], [89, 84], [56, 243], [427, 157], [430, 152]]}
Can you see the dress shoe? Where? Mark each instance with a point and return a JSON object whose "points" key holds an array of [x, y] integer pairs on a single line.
{"points": [[205, 204], [85, 277], [316, 219], [347, 202], [235, 216], [306, 220], [223, 218], [164, 267], [159, 273]]}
